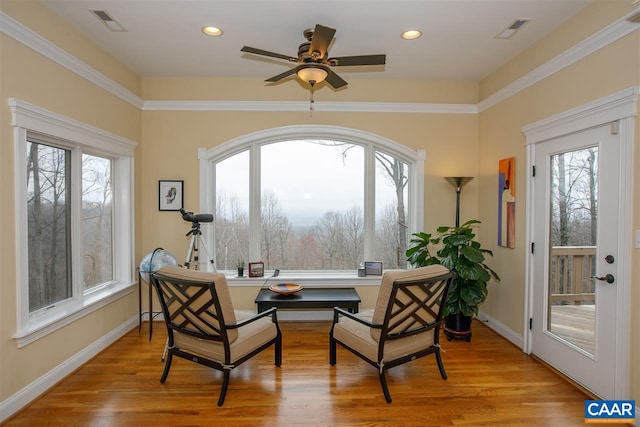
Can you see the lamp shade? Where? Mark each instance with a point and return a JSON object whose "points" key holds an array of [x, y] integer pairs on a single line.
{"points": [[313, 73], [458, 181]]}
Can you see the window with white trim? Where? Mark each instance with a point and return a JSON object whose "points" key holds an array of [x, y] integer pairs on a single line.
{"points": [[324, 202], [74, 245]]}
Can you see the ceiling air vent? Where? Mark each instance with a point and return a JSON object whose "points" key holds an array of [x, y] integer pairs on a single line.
{"points": [[511, 29], [107, 20]]}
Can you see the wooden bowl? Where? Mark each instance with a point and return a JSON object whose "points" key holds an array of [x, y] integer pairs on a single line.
{"points": [[285, 288]]}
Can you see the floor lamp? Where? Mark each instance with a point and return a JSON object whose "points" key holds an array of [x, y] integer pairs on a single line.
{"points": [[458, 182]]}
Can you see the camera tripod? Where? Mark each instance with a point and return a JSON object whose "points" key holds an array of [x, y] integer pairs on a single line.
{"points": [[195, 245]]}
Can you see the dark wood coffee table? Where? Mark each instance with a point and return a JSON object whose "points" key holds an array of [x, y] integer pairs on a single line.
{"points": [[307, 298]]}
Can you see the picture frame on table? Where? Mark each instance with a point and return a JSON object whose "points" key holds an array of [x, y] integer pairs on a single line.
{"points": [[373, 268], [256, 269], [170, 195]]}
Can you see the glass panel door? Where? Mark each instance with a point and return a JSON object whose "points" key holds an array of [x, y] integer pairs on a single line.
{"points": [[573, 237]]}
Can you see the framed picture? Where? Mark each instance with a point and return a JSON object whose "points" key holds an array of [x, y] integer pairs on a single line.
{"points": [[170, 195], [507, 202], [256, 269], [373, 268]]}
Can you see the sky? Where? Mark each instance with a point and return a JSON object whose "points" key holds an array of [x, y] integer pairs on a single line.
{"points": [[304, 177]]}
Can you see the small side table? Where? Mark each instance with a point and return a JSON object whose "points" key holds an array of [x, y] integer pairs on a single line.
{"points": [[307, 298], [152, 314]]}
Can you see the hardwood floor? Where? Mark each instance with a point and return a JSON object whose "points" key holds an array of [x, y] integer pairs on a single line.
{"points": [[491, 382]]}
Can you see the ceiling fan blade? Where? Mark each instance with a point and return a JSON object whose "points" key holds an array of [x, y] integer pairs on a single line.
{"points": [[359, 60], [285, 74], [322, 37], [335, 80], [267, 53]]}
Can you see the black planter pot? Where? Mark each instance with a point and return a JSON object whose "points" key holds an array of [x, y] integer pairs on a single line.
{"points": [[457, 326]]}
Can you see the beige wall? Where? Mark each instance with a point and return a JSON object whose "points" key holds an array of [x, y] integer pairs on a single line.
{"points": [[49, 25], [609, 70], [31, 77], [171, 140], [243, 89], [592, 19]]}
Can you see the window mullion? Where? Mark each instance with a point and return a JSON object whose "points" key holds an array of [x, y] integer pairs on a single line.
{"points": [[369, 201], [254, 203], [21, 212], [75, 213], [416, 193]]}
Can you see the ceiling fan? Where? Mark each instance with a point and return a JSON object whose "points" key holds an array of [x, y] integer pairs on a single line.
{"points": [[314, 64]]}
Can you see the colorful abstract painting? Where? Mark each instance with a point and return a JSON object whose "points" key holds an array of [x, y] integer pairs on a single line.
{"points": [[507, 203]]}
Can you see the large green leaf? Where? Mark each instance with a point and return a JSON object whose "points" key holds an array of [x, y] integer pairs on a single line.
{"points": [[471, 253], [460, 253]]}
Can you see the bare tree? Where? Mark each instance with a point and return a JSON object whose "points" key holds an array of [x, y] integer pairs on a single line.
{"points": [[275, 231], [397, 172], [592, 162], [97, 215], [353, 224], [330, 234], [49, 265], [574, 207], [387, 245], [232, 232]]}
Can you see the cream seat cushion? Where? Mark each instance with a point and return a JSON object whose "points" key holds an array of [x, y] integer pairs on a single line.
{"points": [[358, 337], [250, 337]]}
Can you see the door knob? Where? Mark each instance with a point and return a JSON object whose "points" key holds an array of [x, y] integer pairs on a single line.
{"points": [[608, 278]]}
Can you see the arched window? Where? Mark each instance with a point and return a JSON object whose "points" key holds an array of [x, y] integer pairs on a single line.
{"points": [[311, 198]]}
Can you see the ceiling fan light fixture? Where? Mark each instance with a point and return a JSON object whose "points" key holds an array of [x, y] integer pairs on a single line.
{"points": [[313, 74], [212, 31], [411, 34]]}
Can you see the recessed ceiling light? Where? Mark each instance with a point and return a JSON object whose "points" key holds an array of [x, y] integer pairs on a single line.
{"points": [[212, 31], [411, 34]]}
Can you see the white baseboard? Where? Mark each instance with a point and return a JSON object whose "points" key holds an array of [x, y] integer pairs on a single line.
{"points": [[32, 391], [501, 329]]}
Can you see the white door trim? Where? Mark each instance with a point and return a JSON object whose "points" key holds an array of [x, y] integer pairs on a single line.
{"points": [[621, 106]]}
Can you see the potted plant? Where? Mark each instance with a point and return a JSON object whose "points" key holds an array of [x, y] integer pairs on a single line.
{"points": [[457, 251], [240, 267]]}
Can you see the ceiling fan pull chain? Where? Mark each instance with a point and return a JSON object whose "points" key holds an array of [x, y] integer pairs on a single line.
{"points": [[311, 101]]}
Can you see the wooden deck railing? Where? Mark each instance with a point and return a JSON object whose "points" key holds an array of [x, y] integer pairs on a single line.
{"points": [[571, 268]]}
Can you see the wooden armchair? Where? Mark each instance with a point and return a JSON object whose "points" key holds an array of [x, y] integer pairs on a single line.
{"points": [[204, 328], [404, 326]]}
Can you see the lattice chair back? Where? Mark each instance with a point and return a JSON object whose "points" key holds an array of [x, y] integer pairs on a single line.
{"points": [[405, 323], [203, 326], [195, 305], [416, 301]]}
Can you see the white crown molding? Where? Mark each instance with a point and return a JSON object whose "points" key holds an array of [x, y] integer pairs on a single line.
{"points": [[318, 106], [613, 107], [29, 116], [35, 41], [586, 47]]}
